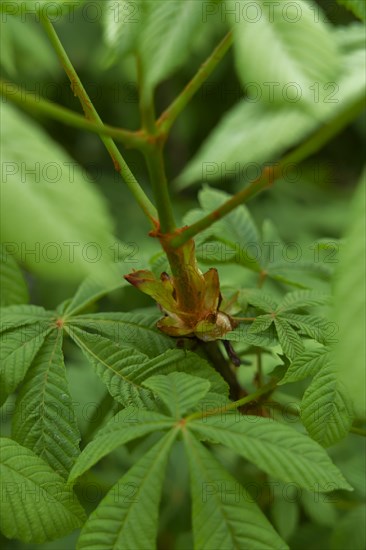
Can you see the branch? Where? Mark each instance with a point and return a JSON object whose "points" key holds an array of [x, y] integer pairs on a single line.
{"points": [[33, 103], [169, 116], [91, 114], [153, 151], [270, 174]]}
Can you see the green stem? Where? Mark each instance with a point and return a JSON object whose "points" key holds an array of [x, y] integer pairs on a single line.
{"points": [[155, 162], [91, 114], [169, 116], [32, 103], [270, 174], [236, 404], [146, 101], [153, 151]]}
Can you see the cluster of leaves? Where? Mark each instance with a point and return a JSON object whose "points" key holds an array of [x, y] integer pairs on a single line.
{"points": [[160, 389]]}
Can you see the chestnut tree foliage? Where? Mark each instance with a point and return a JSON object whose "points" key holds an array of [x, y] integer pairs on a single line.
{"points": [[230, 369]]}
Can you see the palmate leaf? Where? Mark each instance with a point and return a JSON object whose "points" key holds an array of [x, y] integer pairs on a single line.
{"points": [[159, 31], [241, 130], [179, 391], [137, 330], [258, 299], [166, 37], [307, 364], [48, 219], [118, 367], [326, 408], [17, 351], [276, 264], [128, 424], [13, 288], [128, 516], [190, 363], [261, 323], [44, 418], [243, 333], [21, 315], [223, 514], [237, 231], [303, 51], [302, 299], [37, 506], [290, 341], [314, 327], [124, 369], [237, 141], [285, 321], [276, 448]]}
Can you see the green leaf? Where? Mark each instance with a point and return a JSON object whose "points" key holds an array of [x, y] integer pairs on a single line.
{"points": [[59, 237], [93, 288], [223, 514], [236, 233], [128, 424], [190, 363], [284, 511], [44, 418], [7, 51], [13, 288], [276, 448], [258, 299], [178, 391], [128, 516], [236, 145], [120, 368], [55, 8], [244, 334], [275, 263], [357, 7], [18, 349], [160, 32], [289, 339], [314, 327], [123, 369], [37, 506], [137, 330], [306, 364], [165, 42], [22, 315], [122, 24], [350, 310], [303, 52], [261, 323], [326, 408], [301, 299], [349, 531]]}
